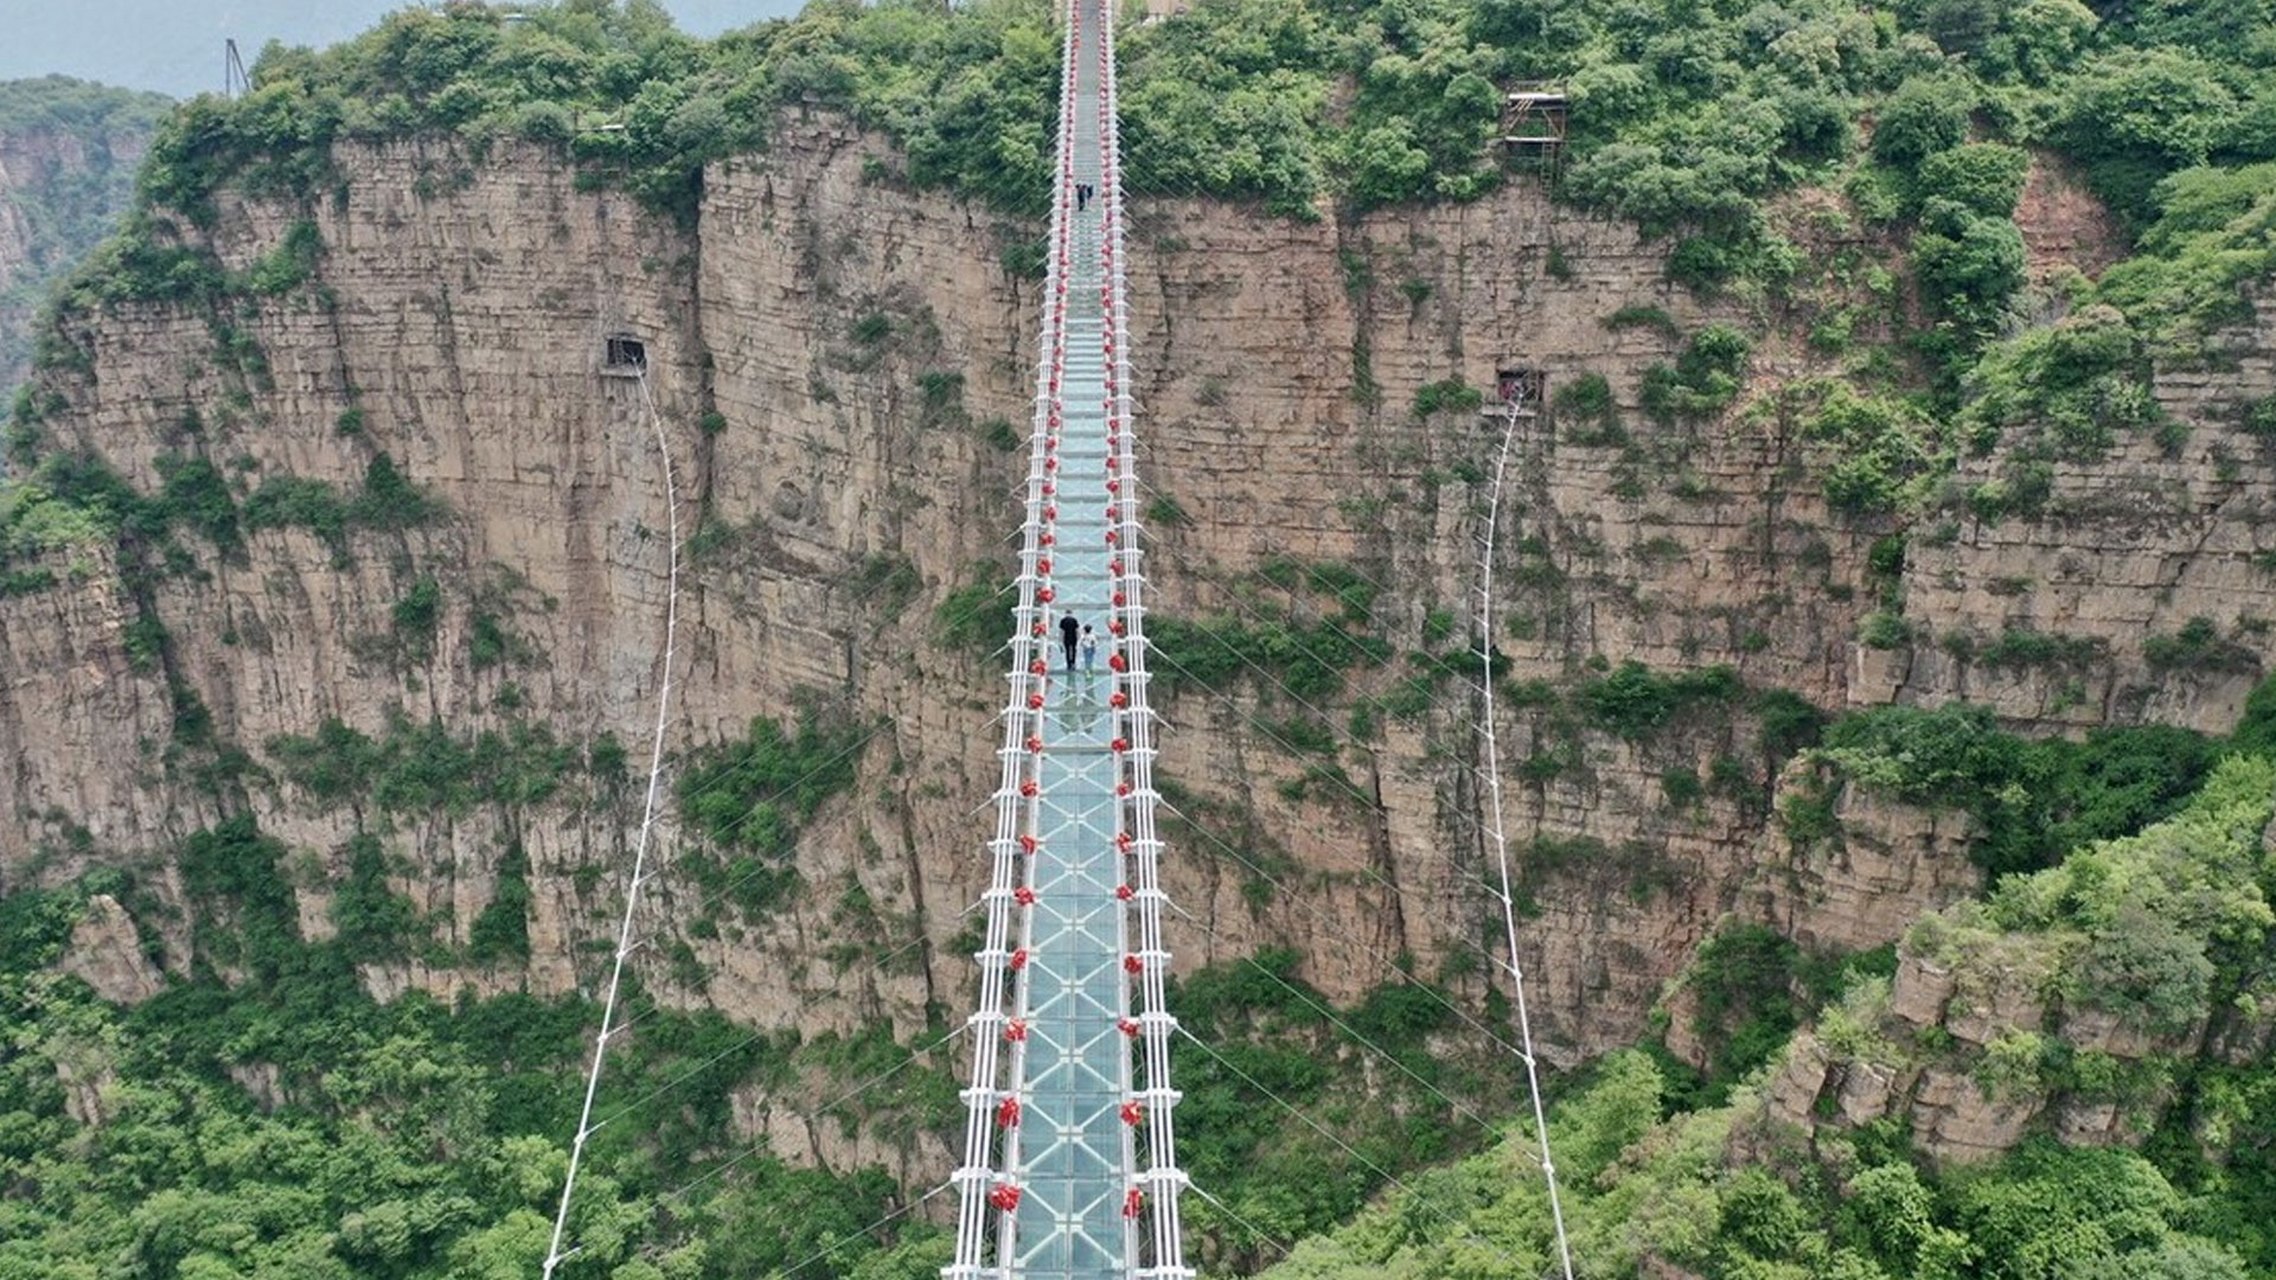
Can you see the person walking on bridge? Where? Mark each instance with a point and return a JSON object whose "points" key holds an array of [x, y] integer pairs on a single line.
{"points": [[1070, 632]]}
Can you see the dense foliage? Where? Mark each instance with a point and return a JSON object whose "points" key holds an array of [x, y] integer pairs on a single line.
{"points": [[1297, 1111], [1638, 1187], [412, 1139], [2166, 929], [2033, 801], [70, 176], [1686, 112], [294, 1127]]}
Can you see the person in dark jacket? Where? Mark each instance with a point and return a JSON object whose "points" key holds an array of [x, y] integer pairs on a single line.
{"points": [[1070, 632]]}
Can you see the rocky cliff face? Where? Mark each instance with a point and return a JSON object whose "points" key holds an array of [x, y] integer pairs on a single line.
{"points": [[61, 188], [2071, 1000], [828, 353], [15, 240]]}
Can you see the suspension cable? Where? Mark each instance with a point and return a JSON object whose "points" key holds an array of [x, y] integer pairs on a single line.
{"points": [[681, 1192], [791, 1272], [1328, 1014], [553, 1253], [1421, 1201], [1492, 767], [1285, 1246]]}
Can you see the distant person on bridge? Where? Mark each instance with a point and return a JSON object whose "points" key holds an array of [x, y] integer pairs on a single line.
{"points": [[1082, 196], [1090, 651], [1070, 632]]}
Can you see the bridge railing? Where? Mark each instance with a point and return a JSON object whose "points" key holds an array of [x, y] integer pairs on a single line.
{"points": [[987, 1182], [1156, 1244]]}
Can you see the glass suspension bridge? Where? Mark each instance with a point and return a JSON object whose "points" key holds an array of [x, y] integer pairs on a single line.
{"points": [[1069, 1165], [1070, 1157]]}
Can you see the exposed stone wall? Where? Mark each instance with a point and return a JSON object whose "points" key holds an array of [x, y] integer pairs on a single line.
{"points": [[51, 166], [461, 311]]}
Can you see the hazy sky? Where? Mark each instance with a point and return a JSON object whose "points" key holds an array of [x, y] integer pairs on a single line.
{"points": [[175, 46]]}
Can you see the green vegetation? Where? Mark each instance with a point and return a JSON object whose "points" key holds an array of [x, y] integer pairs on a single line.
{"points": [[1586, 413], [415, 768], [634, 101], [2033, 800], [415, 619], [1749, 989], [1884, 453], [1271, 1035], [72, 505], [1686, 117], [62, 209], [1638, 1186], [1321, 627], [1308, 659], [1968, 255], [374, 923], [2167, 929], [2023, 649], [2141, 926], [2198, 647], [2072, 388], [414, 1139], [975, 618], [1232, 101], [387, 501], [1703, 381], [1450, 396], [748, 800], [1634, 700], [501, 931]]}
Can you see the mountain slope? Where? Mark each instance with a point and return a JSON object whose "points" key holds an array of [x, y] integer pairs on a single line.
{"points": [[68, 152], [330, 589]]}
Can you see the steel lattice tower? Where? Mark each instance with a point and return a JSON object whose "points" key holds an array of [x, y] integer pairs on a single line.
{"points": [[1070, 1168]]}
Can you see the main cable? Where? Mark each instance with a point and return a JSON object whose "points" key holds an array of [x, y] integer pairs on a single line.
{"points": [[1493, 774], [553, 1254]]}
